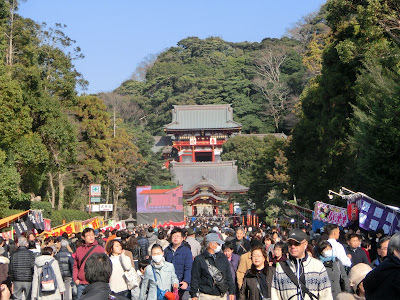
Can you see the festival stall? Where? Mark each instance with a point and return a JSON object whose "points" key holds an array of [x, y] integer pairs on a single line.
{"points": [[329, 214]]}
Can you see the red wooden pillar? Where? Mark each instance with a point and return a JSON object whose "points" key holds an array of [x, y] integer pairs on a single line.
{"points": [[193, 156], [213, 156], [216, 210], [193, 210]]}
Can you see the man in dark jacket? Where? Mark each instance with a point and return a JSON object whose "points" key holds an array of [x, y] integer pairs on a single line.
{"points": [[241, 244], [98, 269], [383, 282], [382, 247], [181, 257], [202, 284], [143, 242], [66, 263], [357, 254], [21, 269]]}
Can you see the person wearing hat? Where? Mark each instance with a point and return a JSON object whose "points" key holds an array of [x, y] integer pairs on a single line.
{"points": [[195, 246], [202, 284], [356, 276], [300, 276]]}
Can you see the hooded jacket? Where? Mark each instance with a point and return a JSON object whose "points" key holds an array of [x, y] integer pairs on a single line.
{"points": [[36, 291], [78, 271], [165, 276], [383, 282]]}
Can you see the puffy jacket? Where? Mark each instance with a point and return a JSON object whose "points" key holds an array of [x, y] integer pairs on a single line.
{"points": [[79, 267], [21, 265], [144, 245], [202, 281], [99, 291], [4, 261], [65, 261], [182, 260]]}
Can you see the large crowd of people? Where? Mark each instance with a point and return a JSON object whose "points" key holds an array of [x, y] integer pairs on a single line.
{"points": [[203, 263]]}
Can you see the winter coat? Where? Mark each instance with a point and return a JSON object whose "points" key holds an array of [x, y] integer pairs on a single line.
{"points": [[244, 265], [234, 263], [195, 246], [144, 245], [357, 256], [36, 290], [336, 271], [182, 260], [202, 280], [136, 252], [163, 243], [383, 282], [120, 263], [165, 275], [243, 248], [78, 270], [21, 265], [4, 261], [65, 261], [98, 291], [152, 238], [249, 289]]}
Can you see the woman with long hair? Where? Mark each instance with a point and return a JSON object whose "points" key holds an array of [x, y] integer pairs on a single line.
{"points": [[258, 280]]}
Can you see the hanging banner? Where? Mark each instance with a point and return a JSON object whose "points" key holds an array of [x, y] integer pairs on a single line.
{"points": [[23, 225], [47, 224], [330, 214], [95, 223], [72, 227], [36, 219], [374, 215], [118, 226]]}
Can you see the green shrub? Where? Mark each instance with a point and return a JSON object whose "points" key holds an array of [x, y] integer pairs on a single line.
{"points": [[69, 215]]}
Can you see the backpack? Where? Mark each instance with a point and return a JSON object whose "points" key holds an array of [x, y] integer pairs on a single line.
{"points": [[48, 281]]}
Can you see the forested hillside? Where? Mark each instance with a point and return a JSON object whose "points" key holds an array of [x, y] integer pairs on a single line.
{"points": [[262, 81]]}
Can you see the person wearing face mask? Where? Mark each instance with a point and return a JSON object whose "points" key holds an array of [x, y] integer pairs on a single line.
{"points": [[202, 285], [159, 274], [383, 282], [336, 272]]}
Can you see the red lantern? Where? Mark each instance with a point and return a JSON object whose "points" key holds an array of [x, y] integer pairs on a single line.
{"points": [[352, 212]]}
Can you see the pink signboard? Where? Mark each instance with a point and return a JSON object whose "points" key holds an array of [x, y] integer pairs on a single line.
{"points": [[330, 214]]}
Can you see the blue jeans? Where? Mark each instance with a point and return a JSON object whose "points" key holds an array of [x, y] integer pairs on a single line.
{"points": [[81, 287]]}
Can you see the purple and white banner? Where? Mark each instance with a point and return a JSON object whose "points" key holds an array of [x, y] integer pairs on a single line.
{"points": [[374, 215]]}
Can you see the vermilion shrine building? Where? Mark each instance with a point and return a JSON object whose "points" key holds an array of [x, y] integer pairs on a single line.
{"points": [[197, 133]]}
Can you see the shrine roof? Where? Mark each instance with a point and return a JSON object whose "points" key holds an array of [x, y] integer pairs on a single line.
{"points": [[202, 117], [221, 176]]}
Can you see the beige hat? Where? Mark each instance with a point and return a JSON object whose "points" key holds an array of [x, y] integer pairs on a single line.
{"points": [[357, 274]]}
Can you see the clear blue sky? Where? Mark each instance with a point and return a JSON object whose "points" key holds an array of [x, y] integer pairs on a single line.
{"points": [[115, 36]]}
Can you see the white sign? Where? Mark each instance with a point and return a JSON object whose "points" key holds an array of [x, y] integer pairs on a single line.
{"points": [[106, 207], [94, 208], [193, 141], [95, 190], [213, 141]]}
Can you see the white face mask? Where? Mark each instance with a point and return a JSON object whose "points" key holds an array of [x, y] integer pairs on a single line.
{"points": [[328, 253], [157, 258], [218, 249]]}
